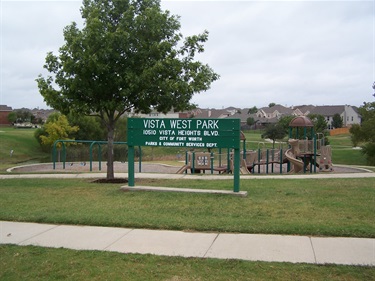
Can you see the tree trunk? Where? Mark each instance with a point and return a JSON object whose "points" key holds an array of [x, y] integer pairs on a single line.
{"points": [[110, 156]]}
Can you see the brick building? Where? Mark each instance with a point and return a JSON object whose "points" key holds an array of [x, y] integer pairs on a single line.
{"points": [[4, 112]]}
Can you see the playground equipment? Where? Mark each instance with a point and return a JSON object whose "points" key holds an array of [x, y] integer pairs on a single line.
{"points": [[305, 153], [267, 159], [325, 159], [92, 144], [309, 152], [201, 161], [297, 165]]}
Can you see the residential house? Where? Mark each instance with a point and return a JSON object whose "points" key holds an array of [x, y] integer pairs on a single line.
{"points": [[276, 111], [42, 114], [349, 114], [155, 114], [217, 113], [260, 122], [4, 112], [302, 110]]}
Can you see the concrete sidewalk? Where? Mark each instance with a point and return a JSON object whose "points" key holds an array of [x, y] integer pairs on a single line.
{"points": [[187, 176], [252, 247]]}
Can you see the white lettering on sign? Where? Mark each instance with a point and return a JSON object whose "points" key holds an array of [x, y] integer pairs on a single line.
{"points": [[151, 143], [195, 144], [149, 132], [154, 124], [180, 124], [207, 124], [211, 133], [209, 144], [167, 132], [195, 139], [189, 133], [173, 144]]}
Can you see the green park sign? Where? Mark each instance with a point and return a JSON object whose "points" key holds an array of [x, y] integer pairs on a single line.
{"points": [[189, 133]]}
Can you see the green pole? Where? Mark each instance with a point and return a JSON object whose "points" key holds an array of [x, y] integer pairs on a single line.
{"points": [[100, 156], [193, 162], [64, 154], [314, 153], [131, 166], [186, 159], [90, 153], [236, 186], [140, 159], [228, 160], [259, 160], [54, 155], [281, 160]]}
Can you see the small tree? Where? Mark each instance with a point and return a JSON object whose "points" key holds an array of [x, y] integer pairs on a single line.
{"points": [[272, 104], [58, 130], [320, 123], [274, 132], [12, 117], [250, 121], [364, 134], [128, 57], [337, 121], [252, 110], [284, 122]]}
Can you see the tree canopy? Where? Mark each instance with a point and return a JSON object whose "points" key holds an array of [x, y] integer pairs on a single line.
{"points": [[127, 57], [364, 134], [57, 129], [337, 121], [274, 132], [252, 110]]}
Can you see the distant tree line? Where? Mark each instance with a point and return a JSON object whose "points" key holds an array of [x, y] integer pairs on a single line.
{"points": [[23, 116]]}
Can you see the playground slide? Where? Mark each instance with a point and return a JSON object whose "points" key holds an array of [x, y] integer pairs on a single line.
{"points": [[297, 164], [183, 169], [243, 167]]}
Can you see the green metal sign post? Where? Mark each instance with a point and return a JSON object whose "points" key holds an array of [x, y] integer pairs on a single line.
{"points": [[190, 133]]}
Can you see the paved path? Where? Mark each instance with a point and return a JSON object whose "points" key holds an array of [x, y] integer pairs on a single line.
{"points": [[252, 247], [189, 176]]}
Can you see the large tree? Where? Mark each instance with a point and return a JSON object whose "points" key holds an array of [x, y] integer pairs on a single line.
{"points": [[364, 134], [129, 56]]}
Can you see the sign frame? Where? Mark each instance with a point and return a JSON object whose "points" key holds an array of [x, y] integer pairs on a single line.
{"points": [[205, 133]]}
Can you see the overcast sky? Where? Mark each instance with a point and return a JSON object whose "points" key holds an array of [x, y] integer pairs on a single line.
{"points": [[286, 52]]}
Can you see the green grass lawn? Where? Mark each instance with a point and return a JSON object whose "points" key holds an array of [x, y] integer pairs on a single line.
{"points": [[298, 207], [36, 263], [23, 143], [335, 207]]}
